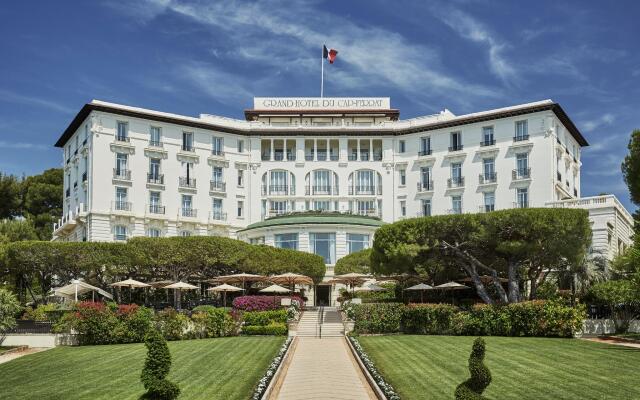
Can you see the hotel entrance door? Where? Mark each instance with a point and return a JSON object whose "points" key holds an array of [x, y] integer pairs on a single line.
{"points": [[323, 295]]}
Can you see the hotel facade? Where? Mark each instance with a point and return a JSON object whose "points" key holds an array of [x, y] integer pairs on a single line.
{"points": [[317, 174]]}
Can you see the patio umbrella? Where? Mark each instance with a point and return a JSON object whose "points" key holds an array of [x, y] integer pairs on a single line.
{"points": [[239, 278], [224, 288], [370, 288], [421, 287], [402, 279], [131, 283], [291, 279], [451, 286], [352, 279], [484, 279], [77, 287], [180, 286], [275, 289]]}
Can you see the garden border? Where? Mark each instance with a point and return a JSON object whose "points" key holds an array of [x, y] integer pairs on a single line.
{"points": [[263, 392], [380, 394]]}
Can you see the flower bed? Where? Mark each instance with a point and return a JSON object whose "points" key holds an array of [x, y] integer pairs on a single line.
{"points": [[264, 303], [263, 384], [387, 389]]}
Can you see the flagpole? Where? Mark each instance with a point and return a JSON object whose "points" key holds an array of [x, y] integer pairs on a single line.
{"points": [[322, 71]]}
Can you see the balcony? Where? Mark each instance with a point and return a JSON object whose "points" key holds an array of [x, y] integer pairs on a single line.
{"points": [[155, 179], [188, 212], [334, 157], [123, 139], [122, 174], [217, 153], [188, 148], [520, 138], [377, 156], [322, 155], [487, 208], [424, 153], [185, 182], [457, 182], [308, 157], [291, 156], [156, 143], [121, 205], [321, 190], [488, 142], [458, 147], [155, 209], [276, 211], [367, 212], [485, 179], [217, 186], [364, 190], [521, 174], [426, 186], [352, 157], [280, 190], [217, 216], [265, 157], [364, 155]]}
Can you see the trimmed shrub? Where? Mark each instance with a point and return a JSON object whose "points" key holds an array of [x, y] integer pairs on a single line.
{"points": [[472, 388], [211, 322], [273, 329], [172, 324], [377, 317], [9, 306], [264, 303], [135, 323], [156, 368], [95, 323], [429, 319], [261, 318]]}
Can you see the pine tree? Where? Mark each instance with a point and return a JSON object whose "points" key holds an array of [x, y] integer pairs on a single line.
{"points": [[472, 388]]}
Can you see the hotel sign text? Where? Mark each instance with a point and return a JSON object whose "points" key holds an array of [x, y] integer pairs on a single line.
{"points": [[316, 103]]}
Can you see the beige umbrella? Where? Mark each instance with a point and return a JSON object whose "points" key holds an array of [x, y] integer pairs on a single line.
{"points": [[239, 278], [451, 286], [291, 279], [421, 287], [180, 286], [353, 279], [484, 279], [275, 289], [370, 288], [224, 288], [130, 283]]}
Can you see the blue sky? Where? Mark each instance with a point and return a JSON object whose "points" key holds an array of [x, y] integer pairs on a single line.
{"points": [[193, 57]]}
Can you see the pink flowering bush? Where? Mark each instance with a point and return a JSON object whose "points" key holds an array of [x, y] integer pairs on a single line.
{"points": [[264, 303]]}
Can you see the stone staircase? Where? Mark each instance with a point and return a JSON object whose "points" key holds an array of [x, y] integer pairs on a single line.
{"points": [[309, 324]]}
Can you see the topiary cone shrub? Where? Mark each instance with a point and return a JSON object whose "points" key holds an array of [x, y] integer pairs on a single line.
{"points": [[156, 368], [472, 388]]}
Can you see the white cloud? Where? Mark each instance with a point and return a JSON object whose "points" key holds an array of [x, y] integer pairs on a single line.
{"points": [[593, 124], [12, 97], [470, 28], [217, 84]]}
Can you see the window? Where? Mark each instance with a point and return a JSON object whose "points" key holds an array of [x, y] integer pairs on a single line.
{"points": [[257, 240], [216, 177], [403, 177], [321, 182], [187, 141], [522, 165], [216, 208], [402, 146], [185, 233], [489, 201], [122, 134], [456, 141], [120, 232], [365, 207], [121, 165], [357, 242], [322, 205], [121, 199], [187, 206], [240, 213], [153, 232], [278, 207], [154, 171], [187, 178], [488, 170], [522, 131], [522, 198], [217, 146], [426, 207], [324, 245], [487, 136], [286, 241], [240, 146], [403, 208], [364, 182], [240, 178], [425, 178], [425, 146], [456, 204], [155, 137], [456, 174], [154, 203], [86, 133]]}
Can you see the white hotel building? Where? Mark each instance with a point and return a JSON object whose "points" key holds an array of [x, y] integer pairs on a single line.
{"points": [[133, 172]]}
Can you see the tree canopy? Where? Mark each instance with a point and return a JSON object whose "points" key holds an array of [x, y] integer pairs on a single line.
{"points": [[631, 172], [518, 244], [360, 262]]}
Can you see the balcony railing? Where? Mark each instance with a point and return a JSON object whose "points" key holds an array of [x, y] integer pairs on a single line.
{"points": [[157, 179], [425, 186], [520, 138], [488, 178], [217, 186], [188, 212], [218, 216], [188, 147], [122, 138], [521, 204], [265, 157], [364, 155], [291, 156], [187, 182], [352, 157], [155, 143], [321, 190], [365, 190], [155, 209], [521, 173], [369, 212], [120, 205], [455, 182], [423, 153], [487, 208], [218, 153], [322, 155], [279, 189], [487, 142], [377, 156], [123, 174], [456, 147], [334, 157]]}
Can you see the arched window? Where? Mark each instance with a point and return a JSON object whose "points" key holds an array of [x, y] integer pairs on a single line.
{"points": [[279, 182], [321, 182], [365, 182]]}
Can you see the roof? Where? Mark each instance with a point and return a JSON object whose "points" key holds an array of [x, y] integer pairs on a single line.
{"points": [[248, 128], [316, 219]]}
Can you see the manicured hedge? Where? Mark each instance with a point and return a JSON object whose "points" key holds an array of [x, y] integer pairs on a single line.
{"points": [[273, 329], [529, 318], [273, 322]]}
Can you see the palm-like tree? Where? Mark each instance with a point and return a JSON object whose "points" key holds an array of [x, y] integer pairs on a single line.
{"points": [[579, 277]]}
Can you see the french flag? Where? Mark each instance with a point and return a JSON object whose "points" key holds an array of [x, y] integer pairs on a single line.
{"points": [[329, 54]]}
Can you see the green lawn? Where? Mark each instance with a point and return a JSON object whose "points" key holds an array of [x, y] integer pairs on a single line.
{"points": [[224, 368], [430, 367]]}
